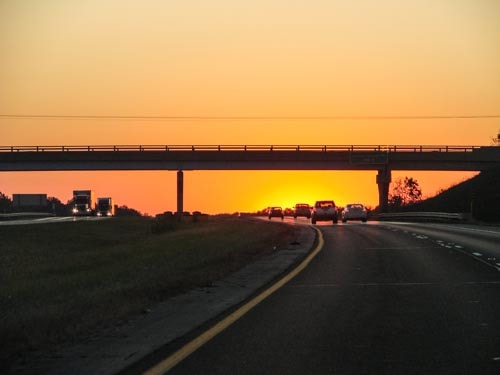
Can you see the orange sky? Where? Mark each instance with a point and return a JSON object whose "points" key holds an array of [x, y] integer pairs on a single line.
{"points": [[223, 58]]}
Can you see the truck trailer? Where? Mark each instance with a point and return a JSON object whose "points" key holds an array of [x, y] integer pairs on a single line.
{"points": [[83, 203], [29, 201], [105, 207]]}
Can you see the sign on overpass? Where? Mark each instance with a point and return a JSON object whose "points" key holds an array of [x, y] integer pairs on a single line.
{"points": [[375, 157]]}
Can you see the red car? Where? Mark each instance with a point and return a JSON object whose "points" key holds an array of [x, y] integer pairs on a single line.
{"points": [[302, 209]]}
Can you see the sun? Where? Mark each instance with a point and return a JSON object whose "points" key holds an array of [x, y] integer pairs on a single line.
{"points": [[291, 188]]}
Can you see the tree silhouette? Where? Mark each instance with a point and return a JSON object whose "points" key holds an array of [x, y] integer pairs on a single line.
{"points": [[5, 203], [126, 211], [57, 207], [405, 192], [496, 141]]}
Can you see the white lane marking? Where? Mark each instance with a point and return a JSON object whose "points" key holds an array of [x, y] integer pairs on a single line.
{"points": [[360, 285], [401, 248], [388, 360], [496, 359], [468, 283], [452, 245], [478, 258]]}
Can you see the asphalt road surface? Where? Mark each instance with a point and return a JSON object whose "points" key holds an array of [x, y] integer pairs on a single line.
{"points": [[51, 219], [378, 299]]}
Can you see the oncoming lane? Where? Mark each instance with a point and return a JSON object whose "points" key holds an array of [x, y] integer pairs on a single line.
{"points": [[50, 220]]}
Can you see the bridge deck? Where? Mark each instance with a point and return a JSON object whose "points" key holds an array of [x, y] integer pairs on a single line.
{"points": [[248, 157]]}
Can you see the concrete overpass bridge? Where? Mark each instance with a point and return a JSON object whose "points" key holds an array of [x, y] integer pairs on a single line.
{"points": [[382, 159]]}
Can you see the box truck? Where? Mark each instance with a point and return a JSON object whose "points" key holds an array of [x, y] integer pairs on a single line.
{"points": [[29, 201], [83, 203], [105, 207]]}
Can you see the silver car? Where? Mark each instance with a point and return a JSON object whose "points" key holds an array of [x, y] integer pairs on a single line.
{"points": [[324, 211], [354, 211]]}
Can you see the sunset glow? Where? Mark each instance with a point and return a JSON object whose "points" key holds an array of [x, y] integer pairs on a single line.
{"points": [[263, 72]]}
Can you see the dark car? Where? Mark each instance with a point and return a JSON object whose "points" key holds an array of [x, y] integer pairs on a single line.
{"points": [[276, 212], [302, 209]]}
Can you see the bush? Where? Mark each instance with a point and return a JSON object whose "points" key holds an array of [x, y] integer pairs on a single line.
{"points": [[198, 216], [166, 222]]}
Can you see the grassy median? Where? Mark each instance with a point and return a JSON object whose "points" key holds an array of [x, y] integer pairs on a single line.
{"points": [[61, 281]]}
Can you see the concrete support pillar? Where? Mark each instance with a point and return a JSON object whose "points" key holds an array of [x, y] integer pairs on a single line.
{"points": [[383, 182], [180, 194]]}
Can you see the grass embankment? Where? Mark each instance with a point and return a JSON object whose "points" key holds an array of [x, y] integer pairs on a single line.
{"points": [[479, 196], [61, 281]]}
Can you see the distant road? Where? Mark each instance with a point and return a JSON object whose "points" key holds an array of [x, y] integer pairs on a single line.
{"points": [[380, 298], [52, 219]]}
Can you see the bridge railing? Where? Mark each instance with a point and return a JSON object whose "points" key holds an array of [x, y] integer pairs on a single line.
{"points": [[250, 148]]}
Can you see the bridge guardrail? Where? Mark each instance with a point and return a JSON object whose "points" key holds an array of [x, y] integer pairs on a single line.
{"points": [[424, 216], [298, 148]]}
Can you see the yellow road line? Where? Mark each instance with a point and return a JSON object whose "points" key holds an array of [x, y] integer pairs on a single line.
{"points": [[168, 363]]}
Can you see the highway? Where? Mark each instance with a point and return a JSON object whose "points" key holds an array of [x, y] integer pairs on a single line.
{"points": [[380, 298]]}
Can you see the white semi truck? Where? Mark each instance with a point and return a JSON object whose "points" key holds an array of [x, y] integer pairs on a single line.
{"points": [[83, 203], [105, 207]]}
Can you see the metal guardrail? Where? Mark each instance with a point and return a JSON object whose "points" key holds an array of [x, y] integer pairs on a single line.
{"points": [[250, 148], [424, 216]]}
